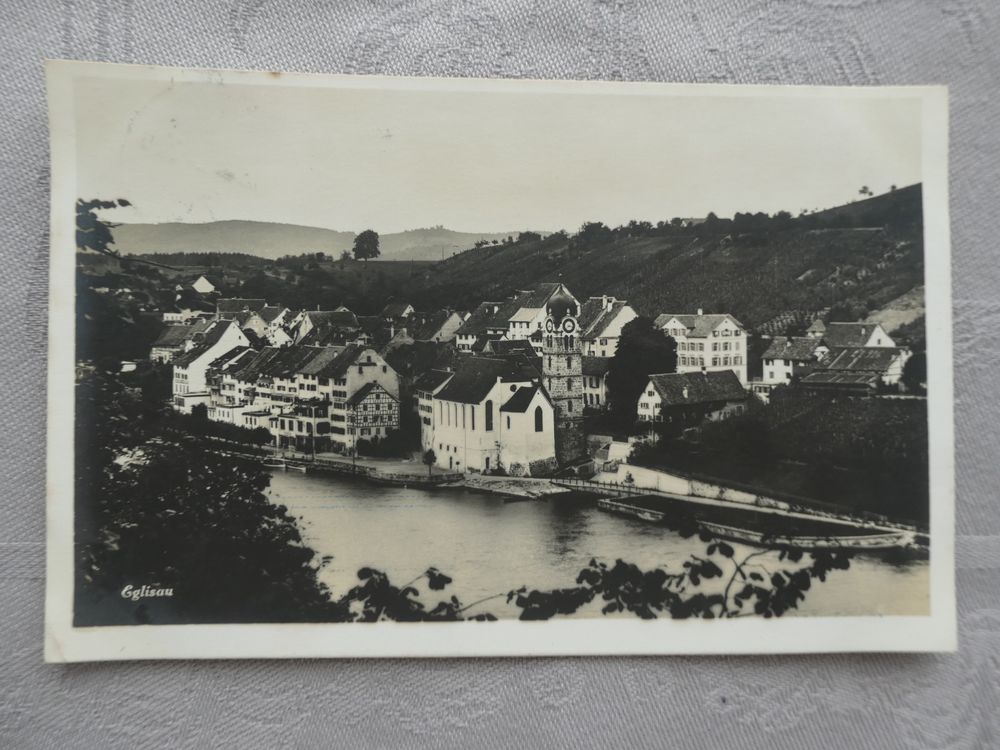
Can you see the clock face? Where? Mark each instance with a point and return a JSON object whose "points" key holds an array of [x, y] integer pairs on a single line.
{"points": [[550, 326], [569, 325]]}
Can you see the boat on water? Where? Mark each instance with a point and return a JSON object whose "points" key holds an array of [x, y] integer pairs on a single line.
{"points": [[273, 463], [761, 527], [292, 466], [876, 541]]}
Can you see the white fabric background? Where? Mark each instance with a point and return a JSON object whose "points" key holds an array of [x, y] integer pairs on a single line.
{"points": [[813, 702]]}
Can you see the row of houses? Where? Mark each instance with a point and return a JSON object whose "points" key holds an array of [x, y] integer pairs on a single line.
{"points": [[854, 358]]}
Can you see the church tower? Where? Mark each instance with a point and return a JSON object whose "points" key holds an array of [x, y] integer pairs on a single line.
{"points": [[562, 372]]}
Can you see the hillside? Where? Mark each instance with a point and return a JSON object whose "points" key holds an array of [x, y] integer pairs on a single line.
{"points": [[270, 240], [755, 267]]}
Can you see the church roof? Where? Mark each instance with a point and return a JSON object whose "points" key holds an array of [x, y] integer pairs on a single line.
{"points": [[476, 376], [521, 400]]}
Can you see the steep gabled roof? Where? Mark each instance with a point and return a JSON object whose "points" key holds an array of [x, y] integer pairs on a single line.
{"points": [[506, 347], [359, 395], [521, 400], [177, 335], [698, 387], [431, 380], [326, 336], [861, 359], [270, 312], [249, 369], [848, 334], [335, 318], [395, 309], [239, 304], [230, 358], [205, 341], [476, 376], [425, 326], [336, 367], [793, 349], [479, 319], [698, 326], [595, 316], [537, 297], [596, 365]]}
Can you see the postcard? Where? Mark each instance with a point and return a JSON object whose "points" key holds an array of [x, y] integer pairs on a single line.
{"points": [[361, 366]]}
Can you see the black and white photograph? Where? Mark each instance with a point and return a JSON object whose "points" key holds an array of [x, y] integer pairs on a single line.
{"points": [[372, 366]]}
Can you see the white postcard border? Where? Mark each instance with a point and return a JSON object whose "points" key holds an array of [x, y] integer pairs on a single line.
{"points": [[64, 643]]}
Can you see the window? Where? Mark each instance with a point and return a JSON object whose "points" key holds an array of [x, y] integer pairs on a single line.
{"points": [[569, 362], [508, 421], [715, 346], [715, 361], [489, 416], [538, 419], [473, 409]]}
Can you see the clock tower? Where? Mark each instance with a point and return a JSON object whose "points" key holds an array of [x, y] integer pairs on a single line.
{"points": [[562, 373]]}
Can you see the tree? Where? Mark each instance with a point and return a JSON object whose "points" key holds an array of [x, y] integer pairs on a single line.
{"points": [[915, 373], [158, 506], [93, 233], [366, 245], [430, 458], [643, 349], [865, 190]]}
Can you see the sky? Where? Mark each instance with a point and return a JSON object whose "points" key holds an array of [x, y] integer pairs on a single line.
{"points": [[391, 159]]}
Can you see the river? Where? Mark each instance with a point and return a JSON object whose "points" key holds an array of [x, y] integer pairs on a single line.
{"points": [[488, 546]]}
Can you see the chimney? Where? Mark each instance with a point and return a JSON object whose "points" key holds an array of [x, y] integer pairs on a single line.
{"points": [[604, 302], [700, 311]]}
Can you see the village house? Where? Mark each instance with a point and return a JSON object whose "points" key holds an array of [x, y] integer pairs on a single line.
{"points": [[341, 320], [311, 397], [203, 285], [491, 414], [230, 306], [601, 322], [840, 335], [438, 326], [787, 357], [175, 339], [425, 388], [707, 343], [474, 329], [396, 310], [688, 399], [595, 382], [858, 370], [190, 386]]}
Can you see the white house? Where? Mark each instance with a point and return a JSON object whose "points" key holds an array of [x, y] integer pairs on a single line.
{"points": [[707, 343], [787, 357], [490, 414], [174, 340], [690, 398], [190, 386], [837, 335], [601, 322], [425, 388], [595, 382], [203, 285]]}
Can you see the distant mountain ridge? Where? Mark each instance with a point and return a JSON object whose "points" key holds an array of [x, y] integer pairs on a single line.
{"points": [[272, 240]]}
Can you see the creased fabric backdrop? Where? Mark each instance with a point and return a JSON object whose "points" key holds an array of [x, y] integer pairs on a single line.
{"points": [[804, 702]]}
